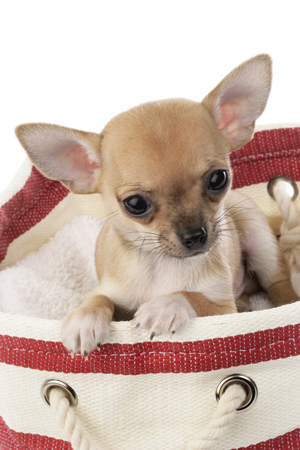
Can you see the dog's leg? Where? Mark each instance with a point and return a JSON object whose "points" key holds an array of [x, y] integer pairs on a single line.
{"points": [[280, 289], [169, 313], [243, 303], [86, 327], [204, 307], [265, 257]]}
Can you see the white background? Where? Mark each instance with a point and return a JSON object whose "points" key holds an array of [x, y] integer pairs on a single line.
{"points": [[78, 63]]}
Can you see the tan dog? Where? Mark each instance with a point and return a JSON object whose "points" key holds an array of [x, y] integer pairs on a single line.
{"points": [[179, 243]]}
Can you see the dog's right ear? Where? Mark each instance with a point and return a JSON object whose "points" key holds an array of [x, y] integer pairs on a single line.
{"points": [[69, 156], [240, 99]]}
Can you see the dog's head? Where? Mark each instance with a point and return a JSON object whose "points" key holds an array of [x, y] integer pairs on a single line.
{"points": [[162, 167]]}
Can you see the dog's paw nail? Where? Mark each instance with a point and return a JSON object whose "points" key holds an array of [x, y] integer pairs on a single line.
{"points": [[173, 331], [98, 347], [72, 354], [152, 335], [137, 325], [85, 355]]}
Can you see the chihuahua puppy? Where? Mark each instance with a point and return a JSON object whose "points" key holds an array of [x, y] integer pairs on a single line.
{"points": [[179, 243]]}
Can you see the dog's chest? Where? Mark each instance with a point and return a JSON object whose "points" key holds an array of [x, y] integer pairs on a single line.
{"points": [[144, 281]]}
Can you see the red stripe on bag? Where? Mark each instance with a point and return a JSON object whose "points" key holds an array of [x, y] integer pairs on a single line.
{"points": [[155, 357], [286, 441], [10, 440], [270, 153], [28, 207]]}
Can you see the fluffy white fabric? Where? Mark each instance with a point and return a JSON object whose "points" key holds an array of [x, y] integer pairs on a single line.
{"points": [[55, 279], [50, 282]]}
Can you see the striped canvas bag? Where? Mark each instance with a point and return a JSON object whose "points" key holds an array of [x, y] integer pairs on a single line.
{"points": [[141, 394]]}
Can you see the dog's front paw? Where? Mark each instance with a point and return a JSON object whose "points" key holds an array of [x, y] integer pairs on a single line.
{"points": [[164, 314], [85, 329]]}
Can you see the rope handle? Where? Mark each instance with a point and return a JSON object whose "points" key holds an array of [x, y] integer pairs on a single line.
{"points": [[284, 191], [221, 420], [290, 227], [67, 419], [234, 393], [63, 400]]}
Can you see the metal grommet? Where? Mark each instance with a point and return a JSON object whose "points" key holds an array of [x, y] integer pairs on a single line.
{"points": [[49, 384], [288, 180], [246, 382]]}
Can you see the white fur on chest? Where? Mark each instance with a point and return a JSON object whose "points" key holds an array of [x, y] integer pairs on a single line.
{"points": [[147, 279]]}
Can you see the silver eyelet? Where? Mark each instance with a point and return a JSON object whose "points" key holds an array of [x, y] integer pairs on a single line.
{"points": [[244, 381], [51, 383], [275, 180]]}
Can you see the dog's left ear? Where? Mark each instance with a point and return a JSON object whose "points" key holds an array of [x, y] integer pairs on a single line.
{"points": [[240, 99], [64, 154]]}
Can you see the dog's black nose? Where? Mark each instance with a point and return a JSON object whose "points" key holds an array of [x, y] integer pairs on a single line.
{"points": [[194, 238]]}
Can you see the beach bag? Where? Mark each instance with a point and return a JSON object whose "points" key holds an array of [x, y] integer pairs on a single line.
{"points": [[141, 394]]}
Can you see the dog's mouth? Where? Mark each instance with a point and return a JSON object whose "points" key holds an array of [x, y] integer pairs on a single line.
{"points": [[182, 251], [183, 254]]}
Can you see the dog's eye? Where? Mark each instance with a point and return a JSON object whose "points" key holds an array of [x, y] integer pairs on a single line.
{"points": [[136, 205], [218, 180]]}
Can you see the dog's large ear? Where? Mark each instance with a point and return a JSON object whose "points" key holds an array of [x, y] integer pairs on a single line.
{"points": [[70, 156], [240, 99]]}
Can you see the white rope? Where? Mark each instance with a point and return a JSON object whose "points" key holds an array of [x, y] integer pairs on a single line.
{"points": [[221, 420], [289, 230], [66, 418]]}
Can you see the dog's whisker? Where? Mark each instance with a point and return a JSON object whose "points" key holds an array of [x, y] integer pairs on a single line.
{"points": [[141, 248], [143, 232], [161, 254], [230, 215], [134, 185], [110, 215], [146, 238], [239, 221], [216, 211], [132, 243], [150, 242], [153, 249], [129, 245], [226, 210], [221, 239], [237, 211], [217, 156], [229, 236]]}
